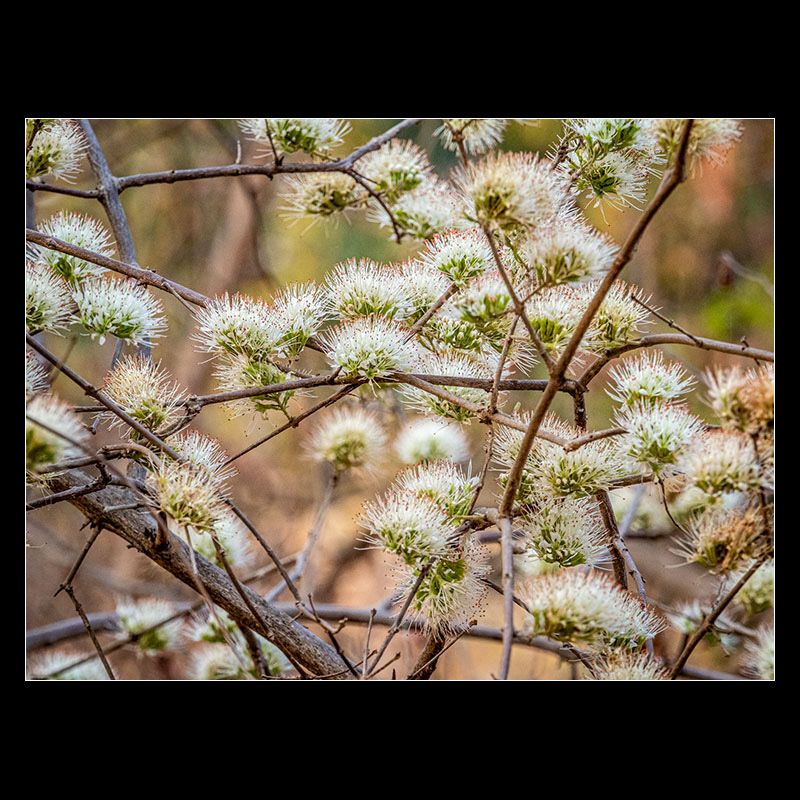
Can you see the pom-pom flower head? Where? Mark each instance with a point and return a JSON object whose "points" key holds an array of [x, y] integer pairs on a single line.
{"points": [[321, 194], [141, 619], [451, 593], [461, 255], [56, 149], [619, 319], [587, 609], [512, 190], [369, 347], [239, 325], [398, 167], [52, 666], [477, 135], [442, 482], [241, 372], [710, 139], [301, 311], [414, 528], [120, 308], [231, 539], [310, 135], [360, 288], [627, 665], [348, 438], [82, 231], [36, 374], [722, 461], [657, 436], [760, 658], [648, 379], [205, 454], [567, 252], [48, 303], [143, 391], [431, 440], [758, 593], [186, 495], [743, 400], [53, 433]]}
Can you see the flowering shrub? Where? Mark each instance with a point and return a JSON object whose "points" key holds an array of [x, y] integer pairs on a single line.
{"points": [[494, 520]]}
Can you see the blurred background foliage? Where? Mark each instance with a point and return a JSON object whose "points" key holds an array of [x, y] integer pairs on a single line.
{"points": [[706, 260]]}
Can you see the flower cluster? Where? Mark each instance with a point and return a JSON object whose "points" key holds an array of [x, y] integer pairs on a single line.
{"points": [[55, 148], [313, 136]]}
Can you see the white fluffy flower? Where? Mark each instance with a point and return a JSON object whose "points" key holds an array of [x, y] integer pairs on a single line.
{"points": [[760, 658], [310, 135], [359, 288], [567, 251], [587, 609], [710, 139], [722, 461], [431, 439], [239, 325], [82, 231], [301, 311], [459, 254], [451, 594], [53, 433], [188, 496], [512, 190], [204, 453], [348, 437], [424, 285], [478, 135], [36, 374], [55, 661], [57, 149], [758, 593], [321, 194], [414, 528], [369, 347], [627, 665], [657, 436], [48, 303], [398, 167], [120, 308], [647, 378], [240, 372], [137, 617], [143, 391], [565, 532], [232, 540], [554, 314], [443, 482], [619, 320]]}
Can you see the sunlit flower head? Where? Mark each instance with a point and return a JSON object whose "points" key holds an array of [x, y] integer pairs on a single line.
{"points": [[743, 400], [721, 539], [459, 254], [758, 593], [512, 190], [478, 135], [414, 528], [369, 347], [657, 436], [57, 149], [687, 617], [627, 665], [313, 136], [710, 139], [566, 252], [619, 320], [454, 364], [564, 532], [300, 310], [143, 391], [760, 658], [48, 302], [347, 438], [648, 379], [617, 179], [43, 666], [232, 539], [53, 433], [121, 308], [82, 231], [424, 285], [427, 210], [186, 495], [357, 288], [217, 662], [554, 314], [431, 439], [315, 195], [137, 617], [443, 482], [36, 374], [451, 594], [603, 135], [239, 325], [240, 372], [587, 609], [722, 461], [204, 453], [398, 167]]}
